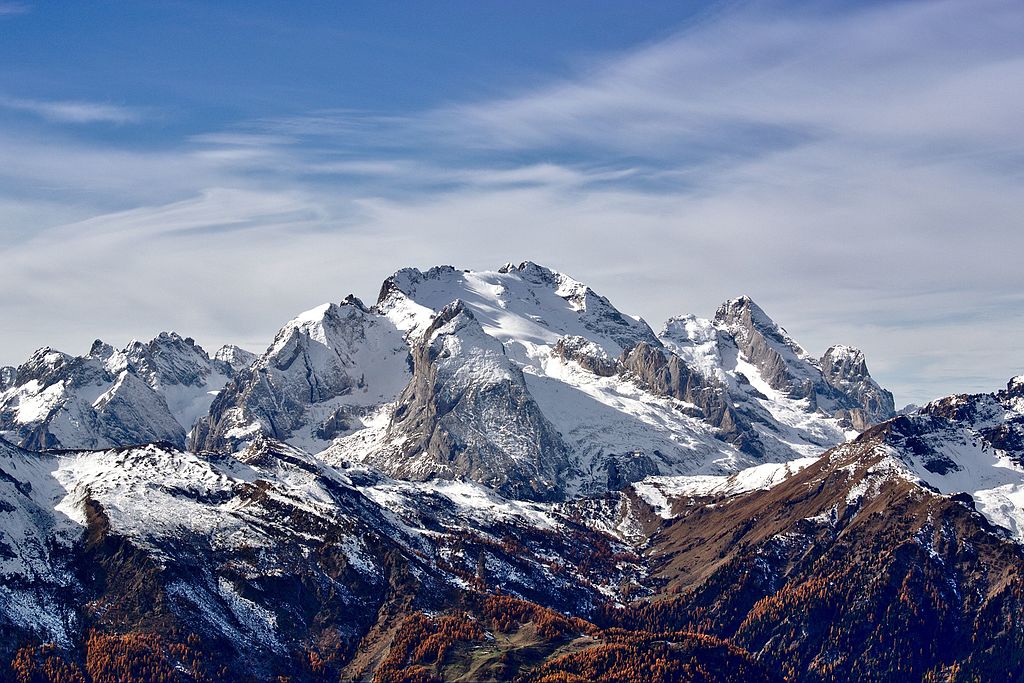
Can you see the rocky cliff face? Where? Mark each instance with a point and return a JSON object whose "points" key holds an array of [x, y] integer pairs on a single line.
{"points": [[467, 413], [773, 382], [671, 376], [781, 362], [846, 371], [325, 371]]}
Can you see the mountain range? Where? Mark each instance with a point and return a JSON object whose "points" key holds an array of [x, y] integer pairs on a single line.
{"points": [[498, 475]]}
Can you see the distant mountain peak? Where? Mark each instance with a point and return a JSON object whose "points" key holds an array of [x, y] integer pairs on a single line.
{"points": [[743, 315], [235, 356], [101, 350], [147, 391]]}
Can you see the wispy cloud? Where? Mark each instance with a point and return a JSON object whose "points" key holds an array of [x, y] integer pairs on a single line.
{"points": [[69, 111], [13, 8]]}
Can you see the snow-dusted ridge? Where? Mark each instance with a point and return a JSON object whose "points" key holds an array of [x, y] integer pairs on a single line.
{"points": [[661, 492], [147, 391], [967, 444]]}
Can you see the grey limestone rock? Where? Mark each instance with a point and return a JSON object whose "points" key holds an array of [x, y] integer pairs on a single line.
{"points": [[467, 414]]}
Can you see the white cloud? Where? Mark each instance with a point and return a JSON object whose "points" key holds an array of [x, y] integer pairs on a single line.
{"points": [[72, 111], [13, 8]]}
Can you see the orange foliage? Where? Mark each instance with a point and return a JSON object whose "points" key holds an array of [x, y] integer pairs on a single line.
{"points": [[44, 664], [507, 612], [422, 641]]}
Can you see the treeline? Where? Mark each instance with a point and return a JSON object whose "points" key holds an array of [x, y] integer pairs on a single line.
{"points": [[653, 658], [121, 658]]}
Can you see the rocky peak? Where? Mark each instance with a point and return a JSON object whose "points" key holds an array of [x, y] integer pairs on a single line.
{"points": [[324, 370], [452, 318], [782, 363], [353, 300], [403, 283], [534, 272], [844, 363], [146, 392], [46, 365], [846, 371], [169, 359], [101, 351], [7, 376], [235, 357], [743, 317]]}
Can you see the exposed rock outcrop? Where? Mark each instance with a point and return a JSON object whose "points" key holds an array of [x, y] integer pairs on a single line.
{"points": [[672, 377], [324, 370], [467, 414], [846, 371]]}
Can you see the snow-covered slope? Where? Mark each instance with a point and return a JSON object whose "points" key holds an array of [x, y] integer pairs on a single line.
{"points": [[37, 585], [795, 403], [969, 447], [661, 492], [968, 444], [525, 306], [145, 392], [327, 371], [260, 551]]}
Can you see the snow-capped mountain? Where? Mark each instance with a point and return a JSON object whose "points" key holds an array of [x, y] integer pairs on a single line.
{"points": [[146, 392], [775, 383], [540, 386], [326, 371]]}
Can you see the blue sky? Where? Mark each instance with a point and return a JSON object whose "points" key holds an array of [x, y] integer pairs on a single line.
{"points": [[214, 168]]}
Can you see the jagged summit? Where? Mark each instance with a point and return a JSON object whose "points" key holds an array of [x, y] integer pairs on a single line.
{"points": [[235, 356], [742, 315], [147, 391], [101, 350], [326, 369]]}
